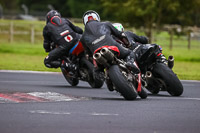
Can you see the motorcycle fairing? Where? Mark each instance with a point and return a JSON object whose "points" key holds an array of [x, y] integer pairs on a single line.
{"points": [[77, 49], [113, 48]]}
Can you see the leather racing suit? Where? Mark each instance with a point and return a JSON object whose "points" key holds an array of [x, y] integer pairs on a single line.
{"points": [[64, 34], [98, 34]]}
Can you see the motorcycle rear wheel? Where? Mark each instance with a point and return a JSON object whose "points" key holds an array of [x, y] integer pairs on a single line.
{"points": [[173, 84], [122, 85]]}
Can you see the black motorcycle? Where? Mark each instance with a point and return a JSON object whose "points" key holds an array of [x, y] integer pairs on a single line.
{"points": [[118, 76], [157, 73], [82, 68]]}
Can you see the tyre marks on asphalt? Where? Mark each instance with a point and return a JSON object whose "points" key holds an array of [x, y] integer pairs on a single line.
{"points": [[19, 97]]}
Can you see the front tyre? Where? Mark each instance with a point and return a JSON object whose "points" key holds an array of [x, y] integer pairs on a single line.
{"points": [[173, 84], [143, 94], [121, 83], [70, 78], [89, 67]]}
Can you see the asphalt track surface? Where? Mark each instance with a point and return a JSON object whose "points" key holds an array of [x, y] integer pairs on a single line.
{"points": [[45, 103]]}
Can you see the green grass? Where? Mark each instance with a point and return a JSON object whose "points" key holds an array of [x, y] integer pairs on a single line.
{"points": [[22, 48], [183, 54], [187, 70], [13, 61], [25, 56], [21, 55]]}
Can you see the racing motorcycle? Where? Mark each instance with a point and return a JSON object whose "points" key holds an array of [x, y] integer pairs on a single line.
{"points": [[82, 68], [157, 73], [118, 76]]}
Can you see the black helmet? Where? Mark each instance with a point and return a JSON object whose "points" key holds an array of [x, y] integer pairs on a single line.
{"points": [[51, 14], [90, 15]]}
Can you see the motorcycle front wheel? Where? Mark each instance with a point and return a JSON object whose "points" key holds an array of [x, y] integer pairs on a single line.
{"points": [[143, 94], [70, 79], [89, 67], [121, 83]]}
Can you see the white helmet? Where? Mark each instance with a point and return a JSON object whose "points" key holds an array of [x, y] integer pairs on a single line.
{"points": [[119, 27], [90, 15]]}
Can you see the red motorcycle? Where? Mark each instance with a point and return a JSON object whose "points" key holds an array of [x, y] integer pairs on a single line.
{"points": [[118, 76], [83, 68]]}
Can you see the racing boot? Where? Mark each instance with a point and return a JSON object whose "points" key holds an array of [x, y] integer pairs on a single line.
{"points": [[69, 66], [131, 65], [162, 58], [98, 74]]}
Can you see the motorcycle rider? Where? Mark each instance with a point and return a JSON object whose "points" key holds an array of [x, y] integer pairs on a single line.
{"points": [[98, 34], [61, 32], [132, 37], [136, 41]]}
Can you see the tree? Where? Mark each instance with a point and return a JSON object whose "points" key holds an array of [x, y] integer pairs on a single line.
{"points": [[79, 7], [148, 13]]}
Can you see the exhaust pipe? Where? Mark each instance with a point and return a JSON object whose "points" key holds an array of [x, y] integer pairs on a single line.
{"points": [[148, 74], [99, 58], [107, 54], [170, 61], [149, 77]]}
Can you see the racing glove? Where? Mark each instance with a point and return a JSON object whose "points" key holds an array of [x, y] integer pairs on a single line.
{"points": [[125, 40]]}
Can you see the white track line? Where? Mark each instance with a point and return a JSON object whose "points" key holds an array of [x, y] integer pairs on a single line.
{"points": [[45, 72], [49, 112], [174, 98], [103, 114], [23, 71], [68, 113]]}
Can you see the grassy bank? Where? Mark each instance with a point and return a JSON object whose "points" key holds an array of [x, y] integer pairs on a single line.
{"points": [[22, 55], [25, 56]]}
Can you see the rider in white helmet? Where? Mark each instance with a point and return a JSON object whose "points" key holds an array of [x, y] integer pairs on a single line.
{"points": [[98, 34]]}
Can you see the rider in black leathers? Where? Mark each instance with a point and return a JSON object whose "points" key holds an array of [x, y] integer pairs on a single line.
{"points": [[132, 37], [98, 34], [136, 41], [61, 32]]}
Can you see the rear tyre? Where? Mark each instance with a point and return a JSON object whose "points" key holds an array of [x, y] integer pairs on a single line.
{"points": [[73, 81], [172, 83], [122, 85]]}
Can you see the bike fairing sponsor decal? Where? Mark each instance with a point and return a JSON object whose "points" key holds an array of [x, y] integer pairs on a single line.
{"points": [[98, 39]]}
